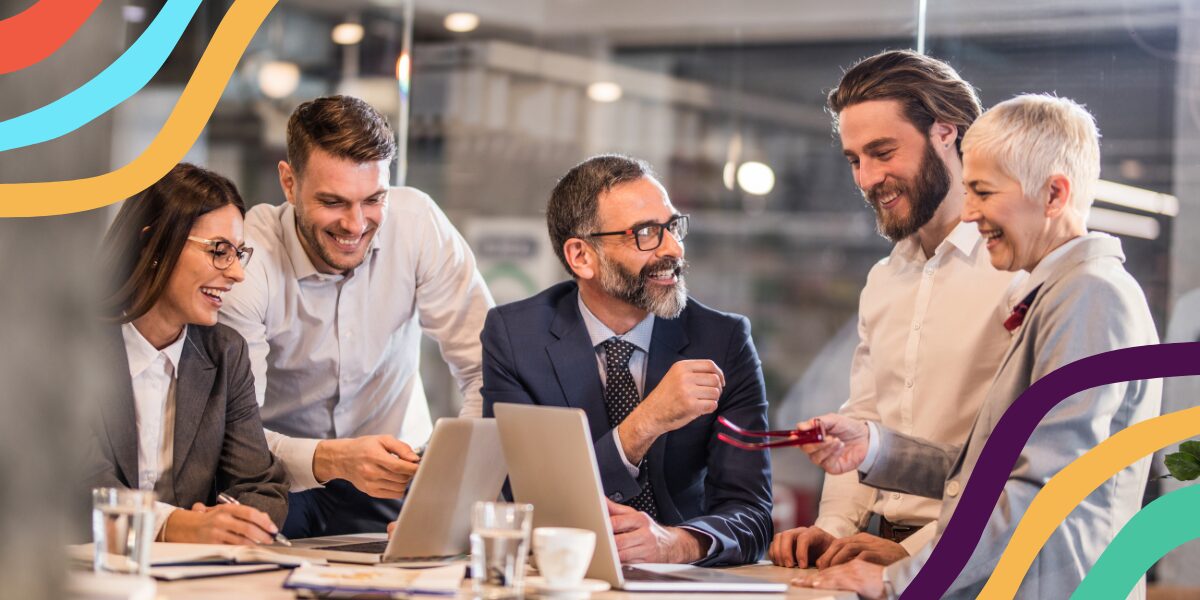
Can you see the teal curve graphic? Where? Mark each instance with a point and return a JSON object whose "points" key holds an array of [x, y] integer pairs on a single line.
{"points": [[112, 86], [1154, 531]]}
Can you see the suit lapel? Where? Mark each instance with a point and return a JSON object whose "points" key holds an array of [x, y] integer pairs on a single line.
{"points": [[574, 361], [119, 414], [193, 387]]}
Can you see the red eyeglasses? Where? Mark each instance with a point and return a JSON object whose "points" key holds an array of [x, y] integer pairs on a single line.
{"points": [[794, 437]]}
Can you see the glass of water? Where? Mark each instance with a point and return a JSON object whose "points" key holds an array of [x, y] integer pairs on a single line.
{"points": [[499, 546], [123, 530]]}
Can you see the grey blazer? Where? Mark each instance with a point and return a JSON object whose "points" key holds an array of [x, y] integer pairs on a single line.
{"points": [[1087, 306], [219, 442]]}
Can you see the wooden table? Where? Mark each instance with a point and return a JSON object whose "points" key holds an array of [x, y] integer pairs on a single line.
{"points": [[269, 586]]}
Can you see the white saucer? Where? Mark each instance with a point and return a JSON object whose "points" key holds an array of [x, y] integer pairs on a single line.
{"points": [[538, 585]]}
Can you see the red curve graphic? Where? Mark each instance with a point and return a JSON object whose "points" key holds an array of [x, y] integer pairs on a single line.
{"points": [[30, 36]]}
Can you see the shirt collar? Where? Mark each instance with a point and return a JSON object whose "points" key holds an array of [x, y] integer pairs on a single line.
{"points": [[964, 237], [1049, 264], [142, 353], [301, 265], [599, 333]]}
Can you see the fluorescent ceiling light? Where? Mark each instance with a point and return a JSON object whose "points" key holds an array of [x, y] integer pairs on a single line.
{"points": [[604, 91], [1137, 198], [461, 22], [756, 178], [347, 34], [1123, 223]]}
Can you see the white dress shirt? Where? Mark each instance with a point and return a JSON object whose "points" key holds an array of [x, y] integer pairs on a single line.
{"points": [[931, 336], [337, 356], [153, 373]]}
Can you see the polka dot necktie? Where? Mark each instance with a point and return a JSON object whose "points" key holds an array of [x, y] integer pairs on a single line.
{"points": [[620, 398]]}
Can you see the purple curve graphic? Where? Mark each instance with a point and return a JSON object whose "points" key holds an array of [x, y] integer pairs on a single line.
{"points": [[1012, 432]]}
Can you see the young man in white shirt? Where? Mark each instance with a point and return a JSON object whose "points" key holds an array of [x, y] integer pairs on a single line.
{"points": [[931, 332], [351, 272]]}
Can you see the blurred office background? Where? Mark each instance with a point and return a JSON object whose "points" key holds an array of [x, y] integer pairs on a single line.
{"points": [[495, 100]]}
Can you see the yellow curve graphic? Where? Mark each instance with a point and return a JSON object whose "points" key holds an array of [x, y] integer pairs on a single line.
{"points": [[1067, 489], [180, 131]]}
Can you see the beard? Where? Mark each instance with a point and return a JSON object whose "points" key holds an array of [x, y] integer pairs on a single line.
{"points": [[665, 302], [925, 193], [311, 234]]}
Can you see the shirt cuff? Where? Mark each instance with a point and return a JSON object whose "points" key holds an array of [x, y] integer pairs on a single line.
{"points": [[296, 454], [162, 511], [872, 447], [838, 527], [889, 589], [915, 542], [633, 470], [704, 535]]}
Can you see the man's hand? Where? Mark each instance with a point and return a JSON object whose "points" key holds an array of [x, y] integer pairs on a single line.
{"points": [[799, 547], [378, 465], [859, 576], [863, 546], [641, 540], [845, 445], [223, 524], [689, 389]]}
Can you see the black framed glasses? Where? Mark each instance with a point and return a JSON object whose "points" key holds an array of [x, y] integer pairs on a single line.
{"points": [[650, 235], [224, 252]]}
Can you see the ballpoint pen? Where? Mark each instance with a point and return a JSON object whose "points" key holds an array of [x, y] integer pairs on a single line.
{"points": [[224, 498]]}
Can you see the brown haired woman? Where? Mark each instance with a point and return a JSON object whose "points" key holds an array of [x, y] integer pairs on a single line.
{"points": [[186, 424]]}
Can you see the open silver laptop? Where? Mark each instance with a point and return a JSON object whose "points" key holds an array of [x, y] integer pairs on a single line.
{"points": [[463, 464], [552, 465]]}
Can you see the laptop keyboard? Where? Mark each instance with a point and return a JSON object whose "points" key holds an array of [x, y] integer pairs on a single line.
{"points": [[365, 547]]}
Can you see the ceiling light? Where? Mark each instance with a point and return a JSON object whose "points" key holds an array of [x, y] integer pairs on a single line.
{"points": [[728, 174], [347, 34], [756, 178], [1123, 223], [1137, 198], [604, 91], [461, 22], [133, 14], [278, 79]]}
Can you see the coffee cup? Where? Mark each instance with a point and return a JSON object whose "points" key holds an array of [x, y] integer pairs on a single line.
{"points": [[563, 554]]}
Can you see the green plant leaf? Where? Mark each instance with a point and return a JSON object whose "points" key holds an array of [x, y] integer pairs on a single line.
{"points": [[1183, 466], [1192, 448]]}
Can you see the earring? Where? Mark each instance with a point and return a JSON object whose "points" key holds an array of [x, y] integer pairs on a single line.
{"points": [[154, 265]]}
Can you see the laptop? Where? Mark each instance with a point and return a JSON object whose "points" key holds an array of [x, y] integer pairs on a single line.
{"points": [[463, 464], [552, 465]]}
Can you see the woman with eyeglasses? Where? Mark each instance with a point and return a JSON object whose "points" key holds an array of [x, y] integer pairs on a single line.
{"points": [[185, 422]]}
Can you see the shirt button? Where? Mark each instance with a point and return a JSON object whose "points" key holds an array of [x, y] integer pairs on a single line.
{"points": [[916, 326], [928, 271], [895, 496], [617, 496], [952, 489], [908, 383]]}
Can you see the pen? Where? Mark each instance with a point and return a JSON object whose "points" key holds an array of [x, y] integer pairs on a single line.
{"points": [[224, 498]]}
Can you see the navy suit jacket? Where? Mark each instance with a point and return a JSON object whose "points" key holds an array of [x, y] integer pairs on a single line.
{"points": [[537, 351]]}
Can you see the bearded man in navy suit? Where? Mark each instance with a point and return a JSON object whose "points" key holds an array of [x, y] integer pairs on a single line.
{"points": [[651, 367]]}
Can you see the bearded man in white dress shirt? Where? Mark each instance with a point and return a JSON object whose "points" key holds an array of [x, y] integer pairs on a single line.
{"points": [[926, 351], [350, 273]]}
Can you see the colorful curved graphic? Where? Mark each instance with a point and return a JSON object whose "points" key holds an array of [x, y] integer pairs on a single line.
{"points": [[1157, 529], [1012, 432], [1080, 478], [28, 37], [115, 84], [180, 131]]}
